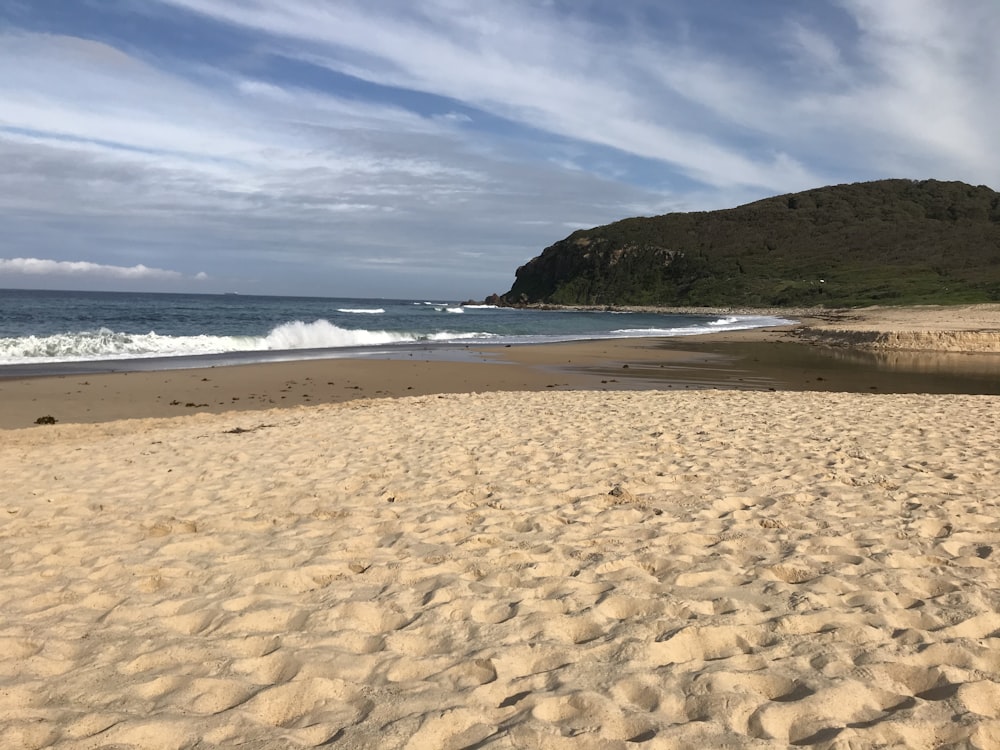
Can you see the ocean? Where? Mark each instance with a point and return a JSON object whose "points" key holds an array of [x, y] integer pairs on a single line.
{"points": [[41, 331]]}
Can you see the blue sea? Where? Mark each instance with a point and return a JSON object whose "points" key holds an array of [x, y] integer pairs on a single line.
{"points": [[153, 331]]}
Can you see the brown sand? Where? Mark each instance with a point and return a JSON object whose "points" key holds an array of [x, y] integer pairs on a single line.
{"points": [[511, 570]]}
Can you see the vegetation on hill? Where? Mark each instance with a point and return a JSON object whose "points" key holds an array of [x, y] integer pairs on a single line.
{"points": [[884, 242]]}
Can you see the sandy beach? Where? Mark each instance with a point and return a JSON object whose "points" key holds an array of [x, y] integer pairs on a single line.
{"points": [[550, 551]]}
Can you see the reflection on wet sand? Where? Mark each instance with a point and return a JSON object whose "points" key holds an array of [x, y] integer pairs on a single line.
{"points": [[936, 363], [794, 366]]}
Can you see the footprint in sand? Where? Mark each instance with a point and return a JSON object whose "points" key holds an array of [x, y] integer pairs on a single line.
{"points": [[268, 619], [316, 709], [584, 711], [471, 674], [703, 643], [373, 618], [454, 728], [209, 696], [642, 694], [577, 630], [272, 668]]}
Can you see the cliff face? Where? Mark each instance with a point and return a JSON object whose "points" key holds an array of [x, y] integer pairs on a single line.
{"points": [[885, 242]]}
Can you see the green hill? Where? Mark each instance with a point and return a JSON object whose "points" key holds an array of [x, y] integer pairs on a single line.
{"points": [[884, 242]]}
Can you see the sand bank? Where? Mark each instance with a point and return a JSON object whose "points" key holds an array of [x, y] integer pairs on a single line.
{"points": [[960, 328], [508, 570]]}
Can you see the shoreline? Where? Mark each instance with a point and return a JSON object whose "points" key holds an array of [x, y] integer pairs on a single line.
{"points": [[828, 352]]}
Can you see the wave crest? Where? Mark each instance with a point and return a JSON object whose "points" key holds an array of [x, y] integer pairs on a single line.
{"points": [[107, 344], [322, 334]]}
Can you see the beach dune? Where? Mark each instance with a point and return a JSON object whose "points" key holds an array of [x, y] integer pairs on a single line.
{"points": [[508, 570]]}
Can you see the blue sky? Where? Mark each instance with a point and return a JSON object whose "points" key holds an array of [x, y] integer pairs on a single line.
{"points": [[415, 148]]}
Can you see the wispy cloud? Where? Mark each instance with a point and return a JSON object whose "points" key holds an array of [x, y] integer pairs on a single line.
{"points": [[923, 85], [519, 61]]}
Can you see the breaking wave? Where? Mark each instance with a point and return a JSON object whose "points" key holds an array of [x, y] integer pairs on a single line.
{"points": [[104, 344]]}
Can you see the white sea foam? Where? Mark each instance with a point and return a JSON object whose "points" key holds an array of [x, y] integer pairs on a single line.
{"points": [[743, 322], [449, 336], [362, 310], [454, 310], [322, 334], [637, 332], [733, 323], [106, 344]]}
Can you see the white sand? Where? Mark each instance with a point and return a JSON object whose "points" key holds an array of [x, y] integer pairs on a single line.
{"points": [[452, 572]]}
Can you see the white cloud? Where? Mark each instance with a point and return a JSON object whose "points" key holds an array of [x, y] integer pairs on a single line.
{"points": [[45, 267]]}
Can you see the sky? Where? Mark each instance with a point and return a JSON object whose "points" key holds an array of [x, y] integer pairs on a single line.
{"points": [[427, 148]]}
